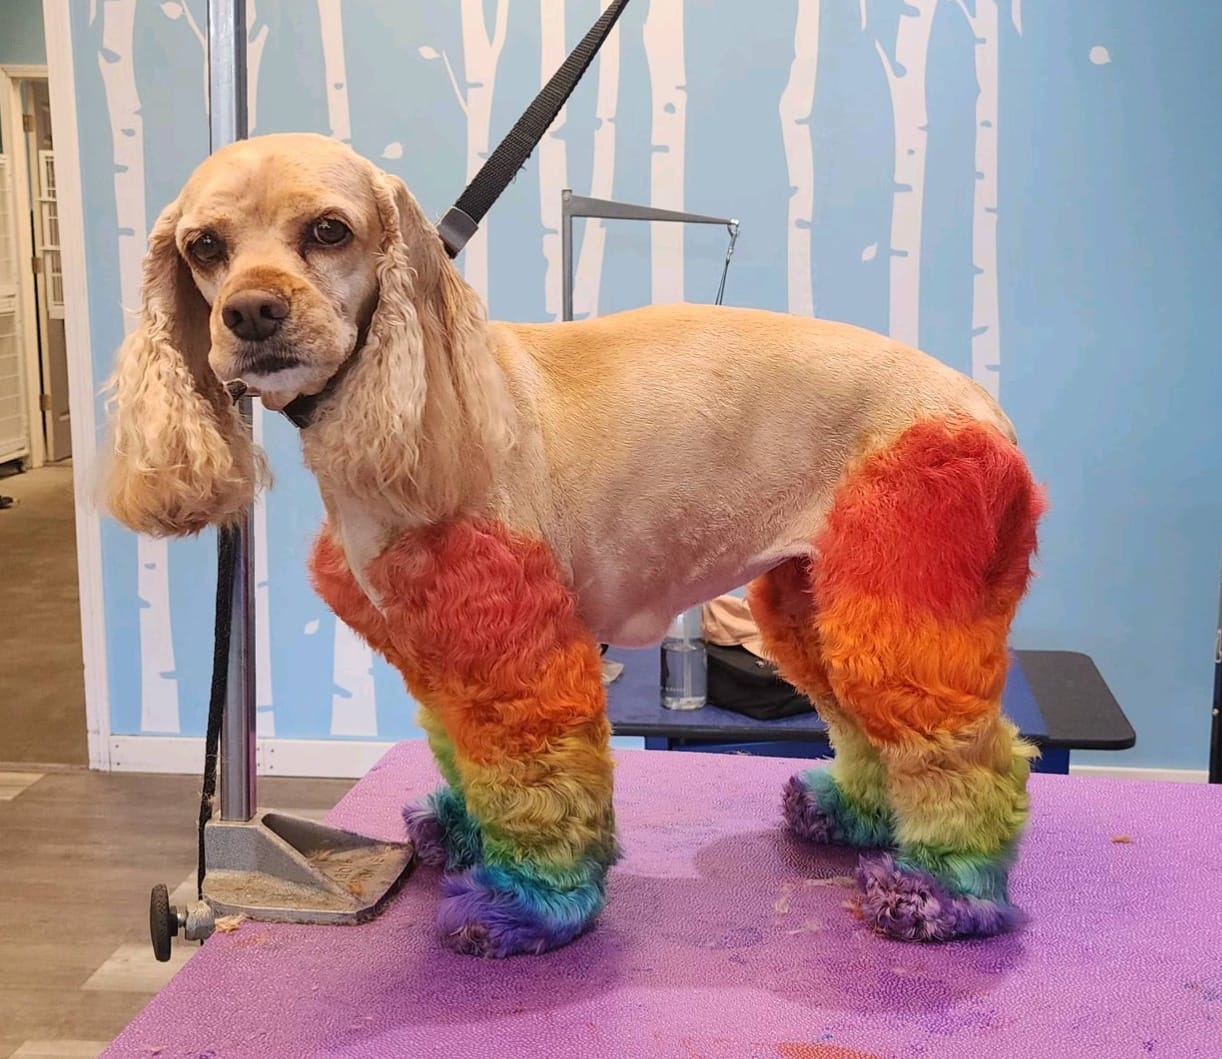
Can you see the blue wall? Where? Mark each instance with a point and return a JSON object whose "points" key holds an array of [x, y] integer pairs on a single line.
{"points": [[1107, 253], [21, 36]]}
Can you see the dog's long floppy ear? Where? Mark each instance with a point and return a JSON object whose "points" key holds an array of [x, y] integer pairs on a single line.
{"points": [[180, 458], [428, 376]]}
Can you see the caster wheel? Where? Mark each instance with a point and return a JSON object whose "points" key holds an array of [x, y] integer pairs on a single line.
{"points": [[163, 923]]}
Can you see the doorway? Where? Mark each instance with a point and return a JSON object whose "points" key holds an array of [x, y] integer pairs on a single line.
{"points": [[42, 699], [35, 423]]}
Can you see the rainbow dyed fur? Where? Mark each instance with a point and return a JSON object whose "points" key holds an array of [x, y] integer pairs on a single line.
{"points": [[500, 911], [443, 833], [923, 897], [897, 631], [819, 811]]}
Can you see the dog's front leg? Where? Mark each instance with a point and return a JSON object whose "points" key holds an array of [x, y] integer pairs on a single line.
{"points": [[517, 709]]}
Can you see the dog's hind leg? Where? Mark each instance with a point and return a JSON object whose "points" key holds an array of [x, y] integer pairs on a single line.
{"points": [[514, 680], [923, 561], [845, 803], [441, 829]]}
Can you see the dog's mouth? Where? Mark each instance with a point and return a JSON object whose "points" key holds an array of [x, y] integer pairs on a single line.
{"points": [[262, 362], [277, 376]]}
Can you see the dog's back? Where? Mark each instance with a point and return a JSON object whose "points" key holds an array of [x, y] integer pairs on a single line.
{"points": [[689, 447]]}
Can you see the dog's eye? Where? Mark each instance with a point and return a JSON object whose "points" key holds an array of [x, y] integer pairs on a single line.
{"points": [[207, 248], [329, 232]]}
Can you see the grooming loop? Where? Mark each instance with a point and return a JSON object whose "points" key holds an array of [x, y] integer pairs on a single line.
{"points": [[572, 205]]}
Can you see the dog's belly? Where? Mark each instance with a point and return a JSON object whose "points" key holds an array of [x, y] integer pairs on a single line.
{"points": [[623, 610]]}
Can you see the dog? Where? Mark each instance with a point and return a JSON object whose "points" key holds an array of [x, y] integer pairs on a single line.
{"points": [[501, 498]]}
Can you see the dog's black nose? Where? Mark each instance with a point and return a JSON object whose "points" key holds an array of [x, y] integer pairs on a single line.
{"points": [[254, 315]]}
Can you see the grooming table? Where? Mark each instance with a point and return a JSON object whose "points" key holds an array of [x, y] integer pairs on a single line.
{"points": [[726, 938], [1058, 700]]}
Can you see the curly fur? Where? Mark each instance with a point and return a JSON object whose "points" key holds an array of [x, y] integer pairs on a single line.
{"points": [[501, 497], [180, 458], [425, 417]]}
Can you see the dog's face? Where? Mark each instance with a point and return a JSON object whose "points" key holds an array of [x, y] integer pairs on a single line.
{"points": [[283, 245], [280, 257]]}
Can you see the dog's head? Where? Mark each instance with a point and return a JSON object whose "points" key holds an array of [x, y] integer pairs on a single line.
{"points": [[281, 256]]}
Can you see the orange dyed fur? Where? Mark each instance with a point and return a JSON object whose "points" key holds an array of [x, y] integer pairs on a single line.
{"points": [[922, 564], [484, 617], [904, 614], [333, 581]]}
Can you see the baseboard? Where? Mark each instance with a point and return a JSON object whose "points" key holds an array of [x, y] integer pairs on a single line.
{"points": [[1147, 774], [313, 758], [352, 759]]}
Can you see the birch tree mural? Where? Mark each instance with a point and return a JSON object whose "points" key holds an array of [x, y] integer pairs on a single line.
{"points": [[906, 81], [481, 54], [553, 168], [335, 70], [587, 273], [797, 103], [174, 11], [664, 54], [986, 313], [256, 39], [158, 683], [553, 158], [354, 709]]}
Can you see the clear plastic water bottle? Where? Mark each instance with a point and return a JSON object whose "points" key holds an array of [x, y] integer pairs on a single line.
{"points": [[684, 663]]}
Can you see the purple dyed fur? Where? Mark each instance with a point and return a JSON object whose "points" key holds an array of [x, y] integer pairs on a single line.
{"points": [[911, 905], [805, 816], [427, 835], [476, 919]]}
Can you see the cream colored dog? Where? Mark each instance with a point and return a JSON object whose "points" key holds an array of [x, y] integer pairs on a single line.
{"points": [[501, 497]]}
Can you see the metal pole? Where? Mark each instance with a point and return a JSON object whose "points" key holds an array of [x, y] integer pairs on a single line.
{"points": [[227, 122], [566, 254]]}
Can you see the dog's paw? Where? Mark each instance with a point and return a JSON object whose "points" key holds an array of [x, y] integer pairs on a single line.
{"points": [[816, 809], [904, 902], [443, 833], [496, 912]]}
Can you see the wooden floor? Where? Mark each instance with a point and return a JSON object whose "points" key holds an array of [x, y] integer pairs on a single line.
{"points": [[42, 687], [79, 852]]}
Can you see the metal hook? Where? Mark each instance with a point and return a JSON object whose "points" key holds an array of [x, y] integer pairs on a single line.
{"points": [[732, 228]]}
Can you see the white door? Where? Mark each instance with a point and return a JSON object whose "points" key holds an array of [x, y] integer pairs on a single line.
{"points": [[51, 297], [14, 422]]}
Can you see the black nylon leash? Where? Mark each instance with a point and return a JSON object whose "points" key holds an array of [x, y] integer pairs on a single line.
{"points": [[226, 557], [461, 221]]}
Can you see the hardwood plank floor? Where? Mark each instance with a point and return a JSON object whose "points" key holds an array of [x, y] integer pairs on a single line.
{"points": [[79, 852], [42, 684]]}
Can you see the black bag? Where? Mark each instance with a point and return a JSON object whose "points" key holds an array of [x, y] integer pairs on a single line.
{"points": [[744, 683]]}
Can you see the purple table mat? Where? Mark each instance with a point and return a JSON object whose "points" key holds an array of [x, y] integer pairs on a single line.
{"points": [[723, 937]]}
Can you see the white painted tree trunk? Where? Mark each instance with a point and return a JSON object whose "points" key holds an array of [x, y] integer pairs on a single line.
{"points": [[354, 710], [255, 42], [264, 699], [797, 102], [481, 54], [553, 158], [158, 685], [335, 69], [906, 80], [587, 272], [664, 54], [986, 309]]}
